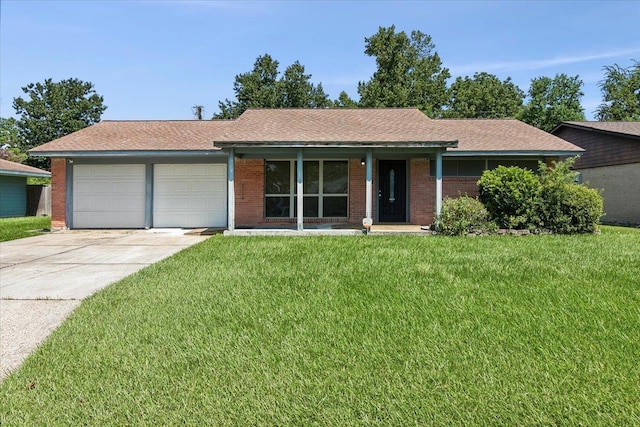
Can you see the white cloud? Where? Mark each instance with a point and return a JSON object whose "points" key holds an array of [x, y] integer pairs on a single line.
{"points": [[509, 66]]}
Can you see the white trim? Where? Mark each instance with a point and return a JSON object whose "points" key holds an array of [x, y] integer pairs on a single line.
{"points": [[438, 183], [369, 185], [231, 191], [300, 190]]}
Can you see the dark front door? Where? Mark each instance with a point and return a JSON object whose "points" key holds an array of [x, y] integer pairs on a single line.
{"points": [[392, 191]]}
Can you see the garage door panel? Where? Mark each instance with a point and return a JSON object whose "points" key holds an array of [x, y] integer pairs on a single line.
{"points": [[190, 195], [109, 196]]}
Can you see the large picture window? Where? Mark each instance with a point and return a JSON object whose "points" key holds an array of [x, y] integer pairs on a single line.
{"points": [[325, 188]]}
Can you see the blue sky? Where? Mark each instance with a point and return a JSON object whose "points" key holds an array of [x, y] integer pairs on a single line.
{"points": [[157, 59]]}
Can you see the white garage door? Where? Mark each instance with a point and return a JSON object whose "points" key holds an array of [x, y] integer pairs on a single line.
{"points": [[108, 196], [190, 195]]}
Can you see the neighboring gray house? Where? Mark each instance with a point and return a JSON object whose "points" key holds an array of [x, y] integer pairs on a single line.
{"points": [[13, 187], [611, 162]]}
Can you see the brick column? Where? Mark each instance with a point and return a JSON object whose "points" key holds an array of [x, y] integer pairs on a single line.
{"points": [[58, 193], [249, 192], [421, 192]]}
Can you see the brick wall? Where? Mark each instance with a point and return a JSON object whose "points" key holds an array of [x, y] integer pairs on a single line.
{"points": [[455, 186], [358, 191], [58, 193], [249, 186], [422, 192], [423, 202]]}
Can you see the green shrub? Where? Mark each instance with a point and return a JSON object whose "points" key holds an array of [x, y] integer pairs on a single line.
{"points": [[511, 196], [463, 215], [571, 208], [567, 207]]}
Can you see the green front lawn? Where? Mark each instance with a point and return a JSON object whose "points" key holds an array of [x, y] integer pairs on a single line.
{"points": [[537, 330], [17, 228]]}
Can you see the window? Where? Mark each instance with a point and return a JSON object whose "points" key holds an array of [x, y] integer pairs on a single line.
{"points": [[460, 167], [325, 188], [525, 164], [475, 167]]}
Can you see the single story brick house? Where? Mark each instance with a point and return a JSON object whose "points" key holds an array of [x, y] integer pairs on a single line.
{"points": [[13, 187], [281, 168], [611, 162]]}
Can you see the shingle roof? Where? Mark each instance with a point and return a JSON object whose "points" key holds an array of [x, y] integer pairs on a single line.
{"points": [[161, 135], [335, 125], [13, 168], [503, 135], [623, 128]]}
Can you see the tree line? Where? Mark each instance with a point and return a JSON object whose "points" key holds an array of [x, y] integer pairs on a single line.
{"points": [[409, 73]]}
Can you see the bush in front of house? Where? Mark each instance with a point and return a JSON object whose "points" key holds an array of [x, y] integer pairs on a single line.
{"points": [[511, 195], [568, 207], [573, 208], [463, 215], [517, 198]]}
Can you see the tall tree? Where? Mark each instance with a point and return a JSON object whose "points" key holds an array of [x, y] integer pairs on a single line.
{"points": [[409, 73], [262, 88], [483, 96], [10, 145], [296, 91], [620, 93], [344, 101], [553, 100], [53, 110]]}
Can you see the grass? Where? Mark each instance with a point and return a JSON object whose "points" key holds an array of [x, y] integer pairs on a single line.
{"points": [[537, 330], [19, 227]]}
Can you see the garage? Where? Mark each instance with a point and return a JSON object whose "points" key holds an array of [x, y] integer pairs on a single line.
{"points": [[109, 196], [189, 195]]}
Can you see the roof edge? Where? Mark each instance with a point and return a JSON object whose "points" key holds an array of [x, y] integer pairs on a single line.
{"points": [[6, 172], [593, 129], [125, 153], [330, 144], [513, 153]]}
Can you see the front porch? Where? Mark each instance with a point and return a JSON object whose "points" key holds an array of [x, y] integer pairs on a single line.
{"points": [[386, 185]]}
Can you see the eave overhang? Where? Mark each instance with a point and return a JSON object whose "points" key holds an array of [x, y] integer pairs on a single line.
{"points": [[503, 153], [592, 129], [25, 174], [333, 144], [130, 153]]}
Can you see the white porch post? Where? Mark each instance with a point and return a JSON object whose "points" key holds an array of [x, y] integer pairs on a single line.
{"points": [[300, 191], [231, 191], [438, 181], [369, 187]]}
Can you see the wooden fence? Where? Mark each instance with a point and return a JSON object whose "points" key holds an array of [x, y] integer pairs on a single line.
{"points": [[38, 200]]}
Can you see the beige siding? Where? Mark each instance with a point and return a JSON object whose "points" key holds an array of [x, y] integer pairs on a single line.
{"points": [[621, 194]]}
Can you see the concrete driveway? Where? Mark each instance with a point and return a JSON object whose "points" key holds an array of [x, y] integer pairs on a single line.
{"points": [[44, 278]]}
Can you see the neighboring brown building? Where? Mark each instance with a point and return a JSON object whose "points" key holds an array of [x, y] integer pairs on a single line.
{"points": [[281, 168], [611, 162]]}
